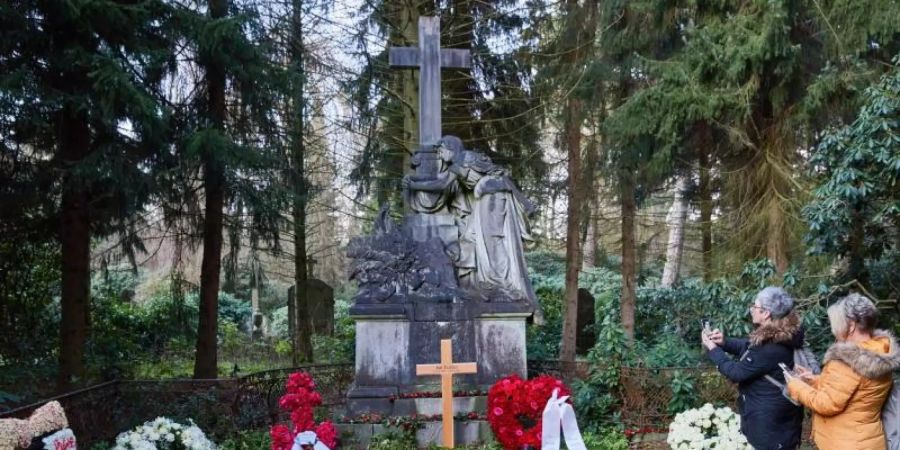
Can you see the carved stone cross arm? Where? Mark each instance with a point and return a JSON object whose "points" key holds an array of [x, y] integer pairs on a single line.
{"points": [[429, 58]]}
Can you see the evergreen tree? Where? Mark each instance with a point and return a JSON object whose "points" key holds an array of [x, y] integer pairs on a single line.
{"points": [[82, 110], [634, 32], [303, 351], [760, 79], [574, 45], [229, 135]]}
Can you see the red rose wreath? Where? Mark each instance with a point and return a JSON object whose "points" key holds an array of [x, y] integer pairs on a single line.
{"points": [[515, 407]]}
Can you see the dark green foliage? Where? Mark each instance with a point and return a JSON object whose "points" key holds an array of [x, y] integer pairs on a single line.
{"points": [[248, 440], [684, 396], [55, 56], [29, 318], [855, 209], [251, 150], [494, 114], [29, 290], [124, 335], [85, 125], [127, 334]]}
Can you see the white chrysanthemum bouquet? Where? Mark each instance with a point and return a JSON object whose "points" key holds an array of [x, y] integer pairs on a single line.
{"points": [[707, 427], [164, 434]]}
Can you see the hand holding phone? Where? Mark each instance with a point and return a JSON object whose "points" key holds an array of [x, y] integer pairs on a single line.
{"points": [[788, 374]]}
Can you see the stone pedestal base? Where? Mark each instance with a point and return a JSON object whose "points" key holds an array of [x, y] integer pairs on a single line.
{"points": [[389, 346], [359, 436]]}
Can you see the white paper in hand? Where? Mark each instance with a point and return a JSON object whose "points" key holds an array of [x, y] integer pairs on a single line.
{"points": [[559, 416]]}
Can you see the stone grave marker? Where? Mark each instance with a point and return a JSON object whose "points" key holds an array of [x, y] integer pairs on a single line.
{"points": [[586, 335], [321, 306]]}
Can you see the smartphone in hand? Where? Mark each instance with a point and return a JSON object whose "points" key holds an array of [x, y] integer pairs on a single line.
{"points": [[706, 325], [784, 367]]}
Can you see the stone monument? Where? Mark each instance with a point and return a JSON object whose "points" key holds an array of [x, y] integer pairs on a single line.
{"points": [[453, 268]]}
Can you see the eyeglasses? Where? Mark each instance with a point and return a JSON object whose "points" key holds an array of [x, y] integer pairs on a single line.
{"points": [[752, 307]]}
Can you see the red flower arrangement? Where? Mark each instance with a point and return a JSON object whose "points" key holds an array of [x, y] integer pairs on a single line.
{"points": [[417, 418], [299, 400], [515, 407], [435, 394]]}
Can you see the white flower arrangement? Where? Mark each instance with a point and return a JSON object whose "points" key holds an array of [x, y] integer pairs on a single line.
{"points": [[164, 434], [707, 427]]}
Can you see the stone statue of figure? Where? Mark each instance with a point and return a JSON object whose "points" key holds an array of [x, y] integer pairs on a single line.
{"points": [[492, 219]]}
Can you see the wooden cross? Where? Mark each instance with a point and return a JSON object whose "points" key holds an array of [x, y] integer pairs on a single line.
{"points": [[429, 58], [446, 369]]}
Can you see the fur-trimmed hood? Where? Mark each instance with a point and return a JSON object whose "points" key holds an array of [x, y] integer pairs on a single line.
{"points": [[785, 330], [868, 363]]}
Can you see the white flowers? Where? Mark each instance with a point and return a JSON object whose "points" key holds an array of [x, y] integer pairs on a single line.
{"points": [[707, 427], [163, 433]]}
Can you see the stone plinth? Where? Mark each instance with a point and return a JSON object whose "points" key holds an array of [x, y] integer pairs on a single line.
{"points": [[465, 433], [430, 406], [390, 342]]}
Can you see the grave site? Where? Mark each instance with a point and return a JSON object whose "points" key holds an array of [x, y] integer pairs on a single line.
{"points": [[416, 224]]}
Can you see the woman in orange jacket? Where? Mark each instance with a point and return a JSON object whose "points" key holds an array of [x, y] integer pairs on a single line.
{"points": [[846, 399]]}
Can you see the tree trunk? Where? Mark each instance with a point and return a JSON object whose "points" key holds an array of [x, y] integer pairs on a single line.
{"points": [[589, 205], [206, 362], [303, 351], [675, 221], [856, 262], [629, 209], [589, 243], [231, 268], [176, 282], [581, 20], [574, 212], [75, 237], [776, 239], [705, 194]]}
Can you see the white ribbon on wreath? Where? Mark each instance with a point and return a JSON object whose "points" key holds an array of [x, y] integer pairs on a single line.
{"points": [[559, 415], [308, 438]]}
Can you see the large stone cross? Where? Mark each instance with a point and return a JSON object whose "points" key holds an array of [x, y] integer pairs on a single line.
{"points": [[429, 58], [446, 369]]}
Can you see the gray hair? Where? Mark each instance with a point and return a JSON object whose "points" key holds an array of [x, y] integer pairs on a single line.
{"points": [[775, 300], [856, 308]]}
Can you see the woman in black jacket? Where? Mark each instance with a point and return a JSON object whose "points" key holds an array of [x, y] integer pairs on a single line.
{"points": [[768, 419]]}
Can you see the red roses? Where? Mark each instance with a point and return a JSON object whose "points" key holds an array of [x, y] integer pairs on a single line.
{"points": [[515, 407], [300, 399]]}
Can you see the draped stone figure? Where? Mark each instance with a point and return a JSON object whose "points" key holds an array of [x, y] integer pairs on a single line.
{"points": [[491, 216]]}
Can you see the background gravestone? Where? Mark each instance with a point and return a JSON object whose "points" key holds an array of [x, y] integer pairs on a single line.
{"points": [[321, 305], [587, 334]]}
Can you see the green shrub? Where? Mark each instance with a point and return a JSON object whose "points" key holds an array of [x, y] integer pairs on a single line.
{"points": [[684, 395], [394, 440], [248, 440], [608, 439]]}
